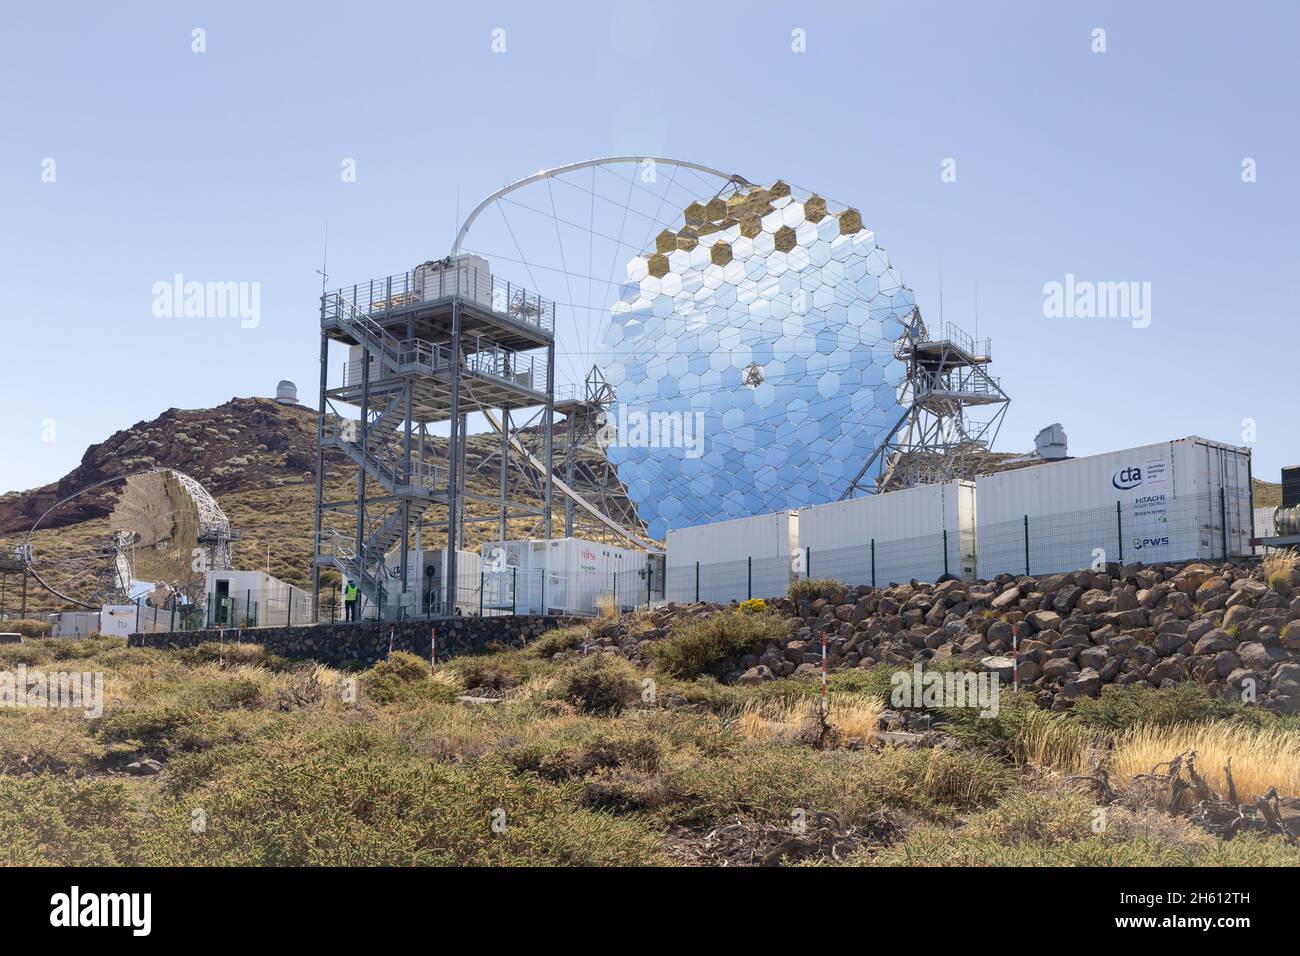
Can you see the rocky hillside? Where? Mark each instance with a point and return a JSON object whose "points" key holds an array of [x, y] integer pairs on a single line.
{"points": [[244, 444], [257, 458]]}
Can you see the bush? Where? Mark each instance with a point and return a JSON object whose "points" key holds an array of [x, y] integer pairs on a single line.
{"points": [[812, 587], [560, 639], [28, 627], [703, 645], [1122, 707], [601, 684], [1278, 567], [154, 728], [212, 652], [404, 677], [754, 606]]}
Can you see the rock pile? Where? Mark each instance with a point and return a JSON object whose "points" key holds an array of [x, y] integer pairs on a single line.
{"points": [[1155, 626]]}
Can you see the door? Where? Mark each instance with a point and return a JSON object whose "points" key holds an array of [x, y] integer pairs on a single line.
{"points": [[221, 612]]}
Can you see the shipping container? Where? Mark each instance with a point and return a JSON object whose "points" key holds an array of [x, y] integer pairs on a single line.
{"points": [[1173, 501], [75, 624], [119, 620], [733, 560], [922, 532], [254, 599], [426, 591], [561, 575]]}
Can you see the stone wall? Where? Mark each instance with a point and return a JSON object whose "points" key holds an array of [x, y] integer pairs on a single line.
{"points": [[364, 643]]}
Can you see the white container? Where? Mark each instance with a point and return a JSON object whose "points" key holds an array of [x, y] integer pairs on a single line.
{"points": [[562, 575], [75, 623], [254, 599], [737, 559], [426, 574], [468, 276], [922, 532], [1153, 503], [118, 620]]}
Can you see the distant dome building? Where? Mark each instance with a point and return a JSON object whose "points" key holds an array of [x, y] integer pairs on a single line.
{"points": [[286, 393]]}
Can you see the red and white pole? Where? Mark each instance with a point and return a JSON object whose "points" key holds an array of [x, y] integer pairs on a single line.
{"points": [[824, 675], [1015, 657], [391, 629]]}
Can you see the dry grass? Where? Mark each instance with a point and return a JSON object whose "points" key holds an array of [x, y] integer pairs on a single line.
{"points": [[1052, 744], [606, 607], [1279, 566], [781, 721], [1260, 758]]}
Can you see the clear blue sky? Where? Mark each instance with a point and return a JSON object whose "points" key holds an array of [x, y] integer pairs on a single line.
{"points": [[1118, 166]]}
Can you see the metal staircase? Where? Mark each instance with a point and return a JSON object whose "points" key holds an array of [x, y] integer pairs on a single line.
{"points": [[420, 354]]}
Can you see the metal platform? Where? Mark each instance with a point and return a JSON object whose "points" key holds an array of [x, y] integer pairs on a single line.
{"points": [[434, 344]]}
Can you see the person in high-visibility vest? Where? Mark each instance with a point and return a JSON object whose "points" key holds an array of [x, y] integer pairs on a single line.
{"points": [[350, 600]]}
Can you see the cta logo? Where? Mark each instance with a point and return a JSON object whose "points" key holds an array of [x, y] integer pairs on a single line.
{"points": [[1127, 477]]}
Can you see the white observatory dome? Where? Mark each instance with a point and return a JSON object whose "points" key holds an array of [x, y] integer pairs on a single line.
{"points": [[286, 393]]}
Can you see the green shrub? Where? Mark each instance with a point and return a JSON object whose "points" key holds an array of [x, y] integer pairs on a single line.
{"points": [[153, 727], [498, 671], [212, 652], [28, 627], [560, 639], [812, 587], [1121, 707], [601, 684], [404, 677], [703, 645]]}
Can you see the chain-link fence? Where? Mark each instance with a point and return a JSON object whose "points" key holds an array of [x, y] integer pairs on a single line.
{"points": [[1215, 526], [1151, 530], [282, 606]]}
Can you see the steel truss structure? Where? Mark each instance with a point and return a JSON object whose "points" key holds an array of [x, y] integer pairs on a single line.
{"points": [[935, 438], [430, 346]]}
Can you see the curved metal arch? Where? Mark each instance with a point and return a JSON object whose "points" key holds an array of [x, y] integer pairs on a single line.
{"points": [[212, 521], [586, 164]]}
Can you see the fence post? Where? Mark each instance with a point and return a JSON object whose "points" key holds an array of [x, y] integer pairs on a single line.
{"points": [[749, 578], [1223, 519], [481, 579], [649, 574], [807, 562], [1119, 529], [945, 551], [172, 624], [248, 606], [137, 615], [1026, 545], [697, 582], [288, 611], [514, 590], [873, 562]]}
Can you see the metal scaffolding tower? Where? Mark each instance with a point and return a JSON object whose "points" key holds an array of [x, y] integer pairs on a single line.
{"points": [[935, 438], [437, 344]]}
